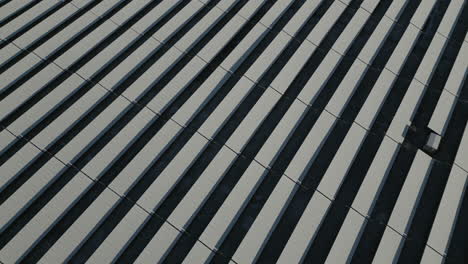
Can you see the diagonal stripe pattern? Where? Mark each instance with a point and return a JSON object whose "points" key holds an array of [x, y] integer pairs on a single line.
{"points": [[233, 131]]}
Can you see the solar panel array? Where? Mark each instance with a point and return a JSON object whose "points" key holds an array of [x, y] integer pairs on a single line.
{"points": [[233, 131]]}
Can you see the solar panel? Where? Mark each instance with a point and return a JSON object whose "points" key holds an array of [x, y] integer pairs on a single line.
{"points": [[209, 131]]}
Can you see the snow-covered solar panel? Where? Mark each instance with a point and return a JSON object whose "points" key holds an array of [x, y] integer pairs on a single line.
{"points": [[233, 131]]}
